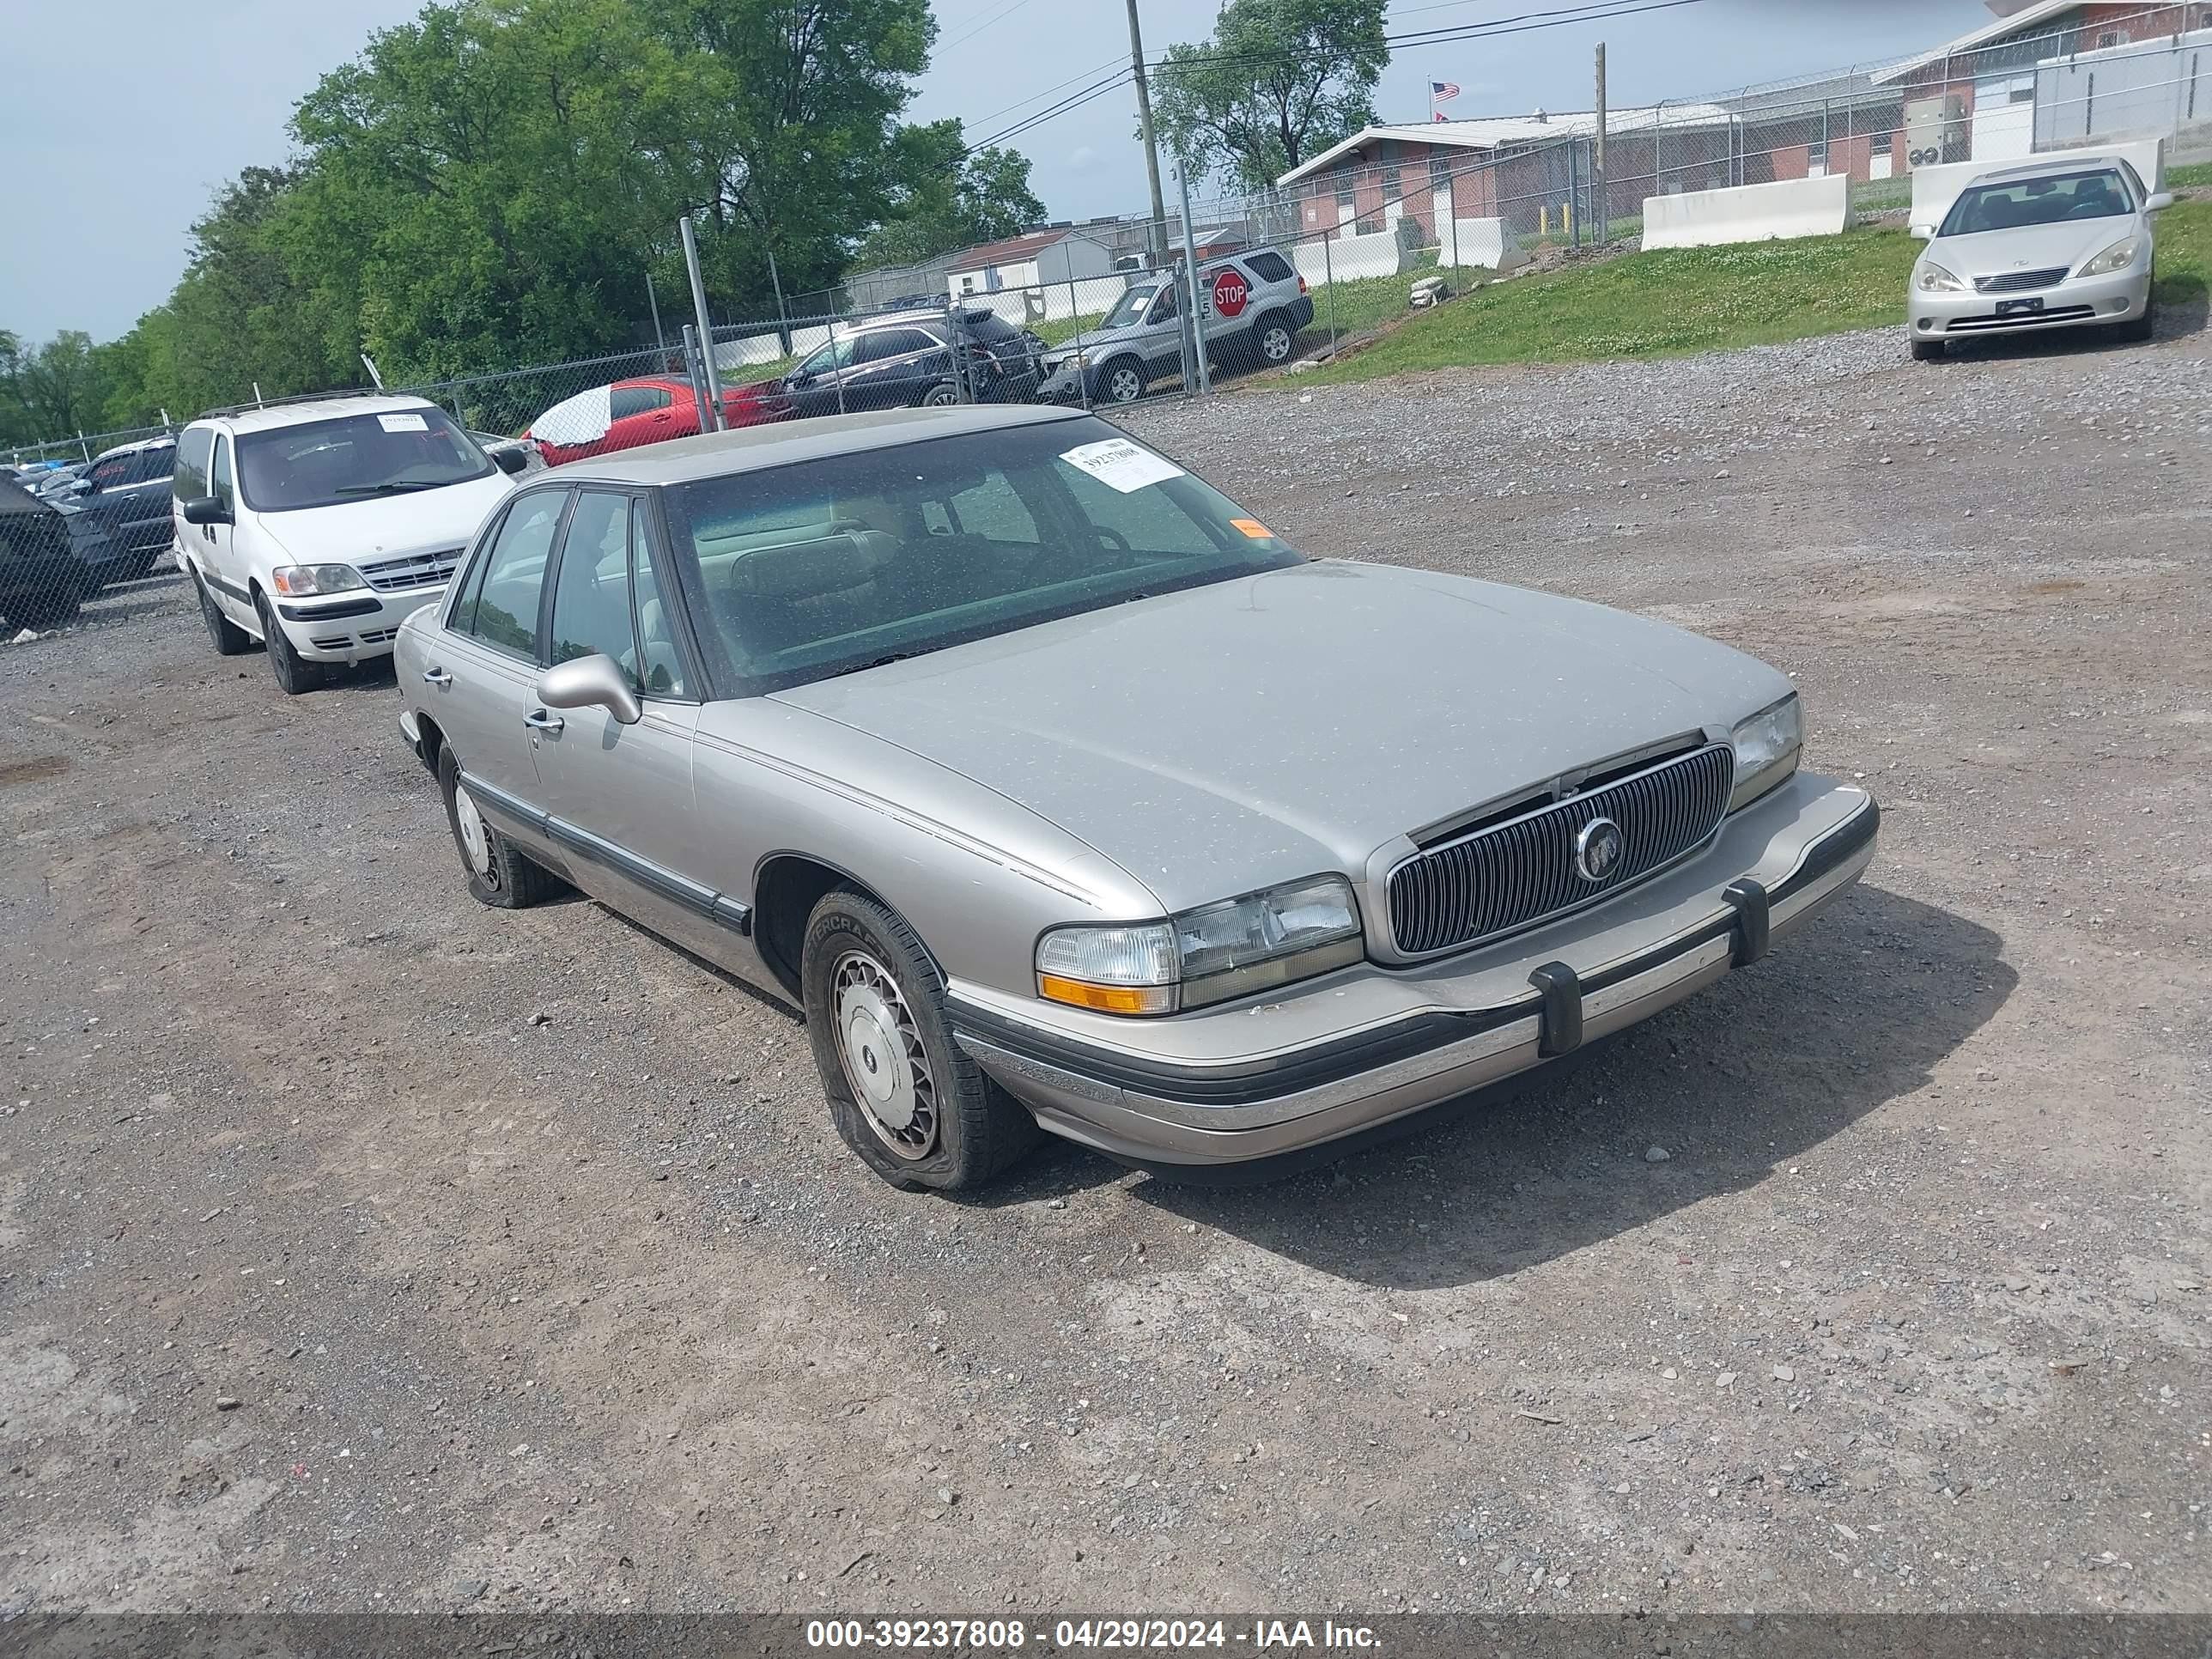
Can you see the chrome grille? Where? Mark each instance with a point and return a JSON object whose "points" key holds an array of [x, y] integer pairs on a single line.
{"points": [[416, 571], [1507, 876], [2017, 281]]}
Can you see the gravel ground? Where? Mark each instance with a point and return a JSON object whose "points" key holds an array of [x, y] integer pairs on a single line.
{"points": [[334, 1280]]}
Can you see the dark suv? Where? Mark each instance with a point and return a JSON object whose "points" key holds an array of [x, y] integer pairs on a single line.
{"points": [[125, 493], [51, 559], [909, 358]]}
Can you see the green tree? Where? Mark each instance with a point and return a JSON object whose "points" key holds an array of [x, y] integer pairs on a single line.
{"points": [[950, 199], [54, 392], [1279, 81]]}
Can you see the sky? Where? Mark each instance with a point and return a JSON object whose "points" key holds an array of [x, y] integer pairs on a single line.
{"points": [[116, 132]]}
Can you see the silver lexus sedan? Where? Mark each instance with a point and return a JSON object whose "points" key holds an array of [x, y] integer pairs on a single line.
{"points": [[2065, 242], [1056, 789]]}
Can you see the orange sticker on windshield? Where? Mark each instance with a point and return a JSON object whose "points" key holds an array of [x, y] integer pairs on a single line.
{"points": [[1254, 528]]}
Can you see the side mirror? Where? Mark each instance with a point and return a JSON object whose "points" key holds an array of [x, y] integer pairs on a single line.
{"points": [[2159, 202], [592, 682], [509, 459], [205, 509], [1925, 232]]}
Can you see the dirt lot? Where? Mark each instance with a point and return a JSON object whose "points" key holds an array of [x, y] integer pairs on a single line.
{"points": [[331, 1280]]}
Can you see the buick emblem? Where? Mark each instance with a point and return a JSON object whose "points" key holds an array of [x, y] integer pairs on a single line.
{"points": [[1598, 849]]}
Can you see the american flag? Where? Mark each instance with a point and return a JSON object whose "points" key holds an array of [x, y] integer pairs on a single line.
{"points": [[1441, 91]]}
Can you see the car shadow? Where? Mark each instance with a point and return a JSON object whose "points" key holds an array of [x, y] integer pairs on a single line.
{"points": [[1731, 1083]]}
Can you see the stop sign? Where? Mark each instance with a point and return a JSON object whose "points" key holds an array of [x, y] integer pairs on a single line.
{"points": [[1229, 293]]}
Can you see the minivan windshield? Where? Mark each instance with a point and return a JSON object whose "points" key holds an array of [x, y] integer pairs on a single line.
{"points": [[826, 567], [355, 458], [2102, 194]]}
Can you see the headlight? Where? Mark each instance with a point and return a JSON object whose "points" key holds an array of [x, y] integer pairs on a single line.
{"points": [[1932, 278], [1205, 955], [293, 579], [2118, 257], [1766, 748]]}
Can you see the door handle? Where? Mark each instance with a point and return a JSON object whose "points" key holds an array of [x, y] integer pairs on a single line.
{"points": [[539, 719], [436, 676]]}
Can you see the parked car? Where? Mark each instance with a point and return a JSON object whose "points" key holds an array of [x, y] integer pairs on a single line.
{"points": [[52, 559], [1252, 306], [61, 478], [993, 739], [126, 493], [316, 524], [910, 359], [2066, 242], [648, 411]]}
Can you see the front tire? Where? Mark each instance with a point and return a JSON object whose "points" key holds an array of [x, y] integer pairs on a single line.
{"points": [[498, 874], [230, 640], [1122, 382], [294, 674], [911, 1105], [1927, 351], [2141, 328], [943, 395]]}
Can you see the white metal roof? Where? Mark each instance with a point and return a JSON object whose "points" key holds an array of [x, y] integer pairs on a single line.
{"points": [[1491, 131], [2025, 18], [314, 409]]}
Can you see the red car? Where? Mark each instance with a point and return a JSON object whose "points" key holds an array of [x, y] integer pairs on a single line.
{"points": [[641, 411]]}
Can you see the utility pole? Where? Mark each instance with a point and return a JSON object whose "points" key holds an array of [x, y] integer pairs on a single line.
{"points": [[711, 416], [1598, 203], [1151, 143]]}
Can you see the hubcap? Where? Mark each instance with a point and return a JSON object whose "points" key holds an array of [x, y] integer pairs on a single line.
{"points": [[476, 840], [884, 1063], [1124, 386], [1276, 345]]}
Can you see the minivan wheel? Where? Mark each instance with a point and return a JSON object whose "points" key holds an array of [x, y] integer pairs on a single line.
{"points": [[1277, 341], [294, 674], [1122, 382], [230, 640], [498, 875], [914, 1107]]}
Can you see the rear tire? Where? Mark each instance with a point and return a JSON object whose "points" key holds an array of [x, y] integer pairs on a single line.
{"points": [[294, 675], [875, 1018], [230, 640], [1274, 342], [498, 874], [1927, 351], [943, 395]]}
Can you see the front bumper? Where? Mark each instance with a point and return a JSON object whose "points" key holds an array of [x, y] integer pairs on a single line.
{"points": [[350, 626], [1344, 1054], [2078, 302]]}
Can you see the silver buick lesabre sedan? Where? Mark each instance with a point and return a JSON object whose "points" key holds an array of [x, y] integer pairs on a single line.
{"points": [[1057, 790]]}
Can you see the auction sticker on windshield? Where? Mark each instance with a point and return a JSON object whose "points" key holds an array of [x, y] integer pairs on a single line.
{"points": [[1120, 464], [402, 422]]}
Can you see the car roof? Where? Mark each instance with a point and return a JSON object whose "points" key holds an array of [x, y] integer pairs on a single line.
{"points": [[167, 440], [310, 408], [748, 449], [2074, 162]]}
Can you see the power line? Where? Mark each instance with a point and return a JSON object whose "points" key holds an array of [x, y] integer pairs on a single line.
{"points": [[970, 34], [1022, 103]]}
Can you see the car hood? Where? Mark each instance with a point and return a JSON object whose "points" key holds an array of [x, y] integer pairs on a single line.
{"points": [[379, 527], [2028, 247], [1215, 740], [1090, 340]]}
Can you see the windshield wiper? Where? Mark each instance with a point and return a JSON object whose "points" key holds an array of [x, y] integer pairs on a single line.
{"points": [[390, 487], [876, 662]]}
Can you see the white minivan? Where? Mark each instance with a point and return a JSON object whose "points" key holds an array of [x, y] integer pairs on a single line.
{"points": [[317, 525]]}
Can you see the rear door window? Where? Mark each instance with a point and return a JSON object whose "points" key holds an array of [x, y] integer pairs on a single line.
{"points": [[628, 400], [505, 615]]}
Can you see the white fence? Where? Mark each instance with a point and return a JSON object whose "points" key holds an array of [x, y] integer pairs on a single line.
{"points": [[1749, 213], [2145, 87], [1025, 307]]}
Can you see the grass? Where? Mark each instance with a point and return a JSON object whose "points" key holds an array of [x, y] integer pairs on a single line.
{"points": [[1680, 300], [2196, 173]]}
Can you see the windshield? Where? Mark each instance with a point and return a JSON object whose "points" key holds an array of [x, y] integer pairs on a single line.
{"points": [[826, 567], [2099, 194], [356, 457], [1129, 307]]}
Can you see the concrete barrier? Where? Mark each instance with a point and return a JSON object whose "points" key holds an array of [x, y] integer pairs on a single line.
{"points": [[1749, 213], [1472, 242], [1349, 259], [1934, 188]]}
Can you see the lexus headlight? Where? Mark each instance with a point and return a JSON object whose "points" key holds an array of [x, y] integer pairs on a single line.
{"points": [[1932, 278], [1205, 955], [293, 579], [1766, 748], [2118, 257]]}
